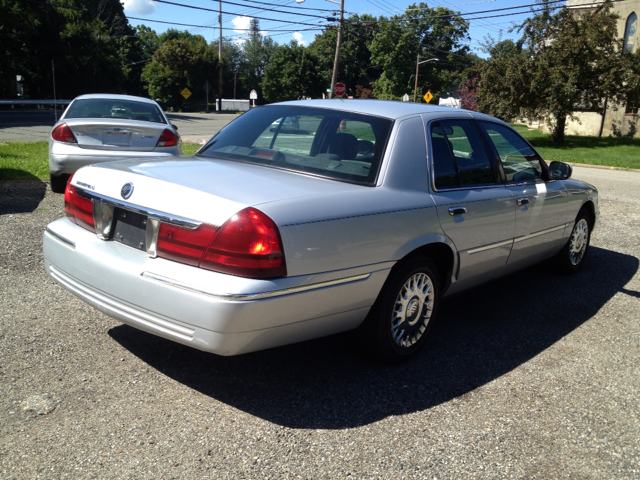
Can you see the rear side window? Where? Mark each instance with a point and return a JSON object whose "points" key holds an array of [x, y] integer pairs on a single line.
{"points": [[519, 160], [459, 156]]}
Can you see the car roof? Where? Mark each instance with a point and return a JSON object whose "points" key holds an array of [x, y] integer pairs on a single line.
{"points": [[383, 108], [113, 96]]}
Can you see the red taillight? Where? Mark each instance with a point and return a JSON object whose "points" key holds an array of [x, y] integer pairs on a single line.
{"points": [[182, 245], [167, 139], [247, 245], [62, 133], [77, 208]]}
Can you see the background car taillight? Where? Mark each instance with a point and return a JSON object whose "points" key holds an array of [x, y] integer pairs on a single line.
{"points": [[167, 139], [247, 245], [77, 208], [62, 133]]}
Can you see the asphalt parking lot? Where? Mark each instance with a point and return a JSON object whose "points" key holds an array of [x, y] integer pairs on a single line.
{"points": [[533, 376], [35, 125]]}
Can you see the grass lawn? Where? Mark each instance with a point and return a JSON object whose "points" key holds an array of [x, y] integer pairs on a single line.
{"points": [[609, 151], [29, 160]]}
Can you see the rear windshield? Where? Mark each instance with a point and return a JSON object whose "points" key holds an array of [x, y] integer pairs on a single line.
{"points": [[114, 108], [329, 143]]}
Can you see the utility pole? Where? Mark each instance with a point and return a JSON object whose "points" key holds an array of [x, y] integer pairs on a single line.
{"points": [[220, 59], [336, 60], [418, 62]]}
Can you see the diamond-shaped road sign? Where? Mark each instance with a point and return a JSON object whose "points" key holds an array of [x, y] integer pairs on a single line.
{"points": [[185, 93], [428, 96]]}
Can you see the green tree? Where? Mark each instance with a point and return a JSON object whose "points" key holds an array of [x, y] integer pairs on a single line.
{"points": [[292, 74], [81, 37], [355, 68], [257, 52], [569, 60], [428, 32], [177, 64]]}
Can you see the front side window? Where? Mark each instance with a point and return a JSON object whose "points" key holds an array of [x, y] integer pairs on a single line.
{"points": [[459, 156], [329, 143], [114, 108], [519, 160]]}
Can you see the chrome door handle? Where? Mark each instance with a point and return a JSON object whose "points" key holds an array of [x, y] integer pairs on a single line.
{"points": [[457, 211], [522, 201]]}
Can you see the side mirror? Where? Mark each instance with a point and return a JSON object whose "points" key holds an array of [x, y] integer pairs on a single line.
{"points": [[560, 171]]}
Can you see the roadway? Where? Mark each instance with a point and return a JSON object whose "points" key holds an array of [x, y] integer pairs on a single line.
{"points": [[35, 125]]}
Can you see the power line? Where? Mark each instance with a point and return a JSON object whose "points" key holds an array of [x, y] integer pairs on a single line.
{"points": [[224, 28], [241, 5]]}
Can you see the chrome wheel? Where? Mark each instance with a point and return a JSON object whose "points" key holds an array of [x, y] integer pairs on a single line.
{"points": [[578, 241], [412, 310]]}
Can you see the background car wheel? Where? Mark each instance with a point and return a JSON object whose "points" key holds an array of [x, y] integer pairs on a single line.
{"points": [[58, 183], [572, 255], [401, 318]]}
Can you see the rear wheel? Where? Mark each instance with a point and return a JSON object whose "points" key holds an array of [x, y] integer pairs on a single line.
{"points": [[58, 183], [399, 322], [572, 255]]}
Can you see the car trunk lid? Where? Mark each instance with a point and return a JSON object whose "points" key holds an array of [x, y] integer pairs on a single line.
{"points": [[109, 134]]}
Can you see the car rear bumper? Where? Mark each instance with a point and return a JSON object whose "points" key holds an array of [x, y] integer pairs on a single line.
{"points": [[207, 310], [67, 159]]}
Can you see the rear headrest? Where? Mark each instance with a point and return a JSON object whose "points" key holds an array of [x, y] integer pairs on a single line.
{"points": [[344, 145]]}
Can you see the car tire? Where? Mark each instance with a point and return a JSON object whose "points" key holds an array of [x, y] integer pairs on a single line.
{"points": [[58, 183], [400, 320], [571, 258]]}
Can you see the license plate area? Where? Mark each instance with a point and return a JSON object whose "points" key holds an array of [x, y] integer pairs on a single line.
{"points": [[116, 138], [130, 229]]}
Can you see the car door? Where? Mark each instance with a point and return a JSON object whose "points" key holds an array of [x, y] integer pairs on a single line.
{"points": [[541, 206], [475, 209]]}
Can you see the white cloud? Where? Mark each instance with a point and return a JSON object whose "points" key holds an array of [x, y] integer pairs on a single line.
{"points": [[297, 36], [140, 7], [241, 26]]}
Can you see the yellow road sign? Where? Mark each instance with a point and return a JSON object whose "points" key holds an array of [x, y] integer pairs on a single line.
{"points": [[185, 93], [428, 96]]}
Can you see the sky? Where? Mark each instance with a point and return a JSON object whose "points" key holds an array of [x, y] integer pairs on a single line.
{"points": [[487, 17]]}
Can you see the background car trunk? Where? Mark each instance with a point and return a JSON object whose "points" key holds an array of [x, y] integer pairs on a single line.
{"points": [[109, 134]]}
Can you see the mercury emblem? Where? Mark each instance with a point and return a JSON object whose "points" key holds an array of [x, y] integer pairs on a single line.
{"points": [[127, 190]]}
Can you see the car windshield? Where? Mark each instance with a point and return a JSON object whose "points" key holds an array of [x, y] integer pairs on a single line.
{"points": [[329, 143], [114, 108]]}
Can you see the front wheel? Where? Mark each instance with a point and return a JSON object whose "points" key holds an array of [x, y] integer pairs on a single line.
{"points": [[400, 320], [572, 255]]}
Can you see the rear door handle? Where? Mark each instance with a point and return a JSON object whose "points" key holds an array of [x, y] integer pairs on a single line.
{"points": [[522, 201], [453, 211]]}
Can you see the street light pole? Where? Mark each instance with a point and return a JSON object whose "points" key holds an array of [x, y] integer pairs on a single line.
{"points": [[418, 62], [336, 60]]}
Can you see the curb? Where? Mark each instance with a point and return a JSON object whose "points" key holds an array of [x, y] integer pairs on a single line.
{"points": [[603, 167]]}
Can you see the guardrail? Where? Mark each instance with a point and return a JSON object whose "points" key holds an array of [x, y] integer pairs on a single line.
{"points": [[35, 102]]}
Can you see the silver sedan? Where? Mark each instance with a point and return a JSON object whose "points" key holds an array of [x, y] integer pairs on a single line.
{"points": [[101, 127], [364, 220]]}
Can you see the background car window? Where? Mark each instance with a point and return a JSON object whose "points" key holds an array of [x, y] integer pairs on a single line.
{"points": [[469, 153], [444, 168], [519, 160], [114, 108]]}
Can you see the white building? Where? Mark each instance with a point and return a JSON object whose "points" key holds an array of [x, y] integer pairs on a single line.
{"points": [[618, 119]]}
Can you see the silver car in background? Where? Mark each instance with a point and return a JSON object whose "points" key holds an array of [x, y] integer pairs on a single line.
{"points": [[365, 222], [102, 127]]}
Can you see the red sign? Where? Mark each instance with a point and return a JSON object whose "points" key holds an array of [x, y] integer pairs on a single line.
{"points": [[339, 89]]}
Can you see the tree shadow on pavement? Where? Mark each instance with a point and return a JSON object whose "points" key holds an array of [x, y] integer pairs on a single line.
{"points": [[482, 334], [20, 196]]}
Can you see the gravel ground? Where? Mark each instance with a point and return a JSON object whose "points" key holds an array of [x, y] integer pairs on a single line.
{"points": [[533, 376]]}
